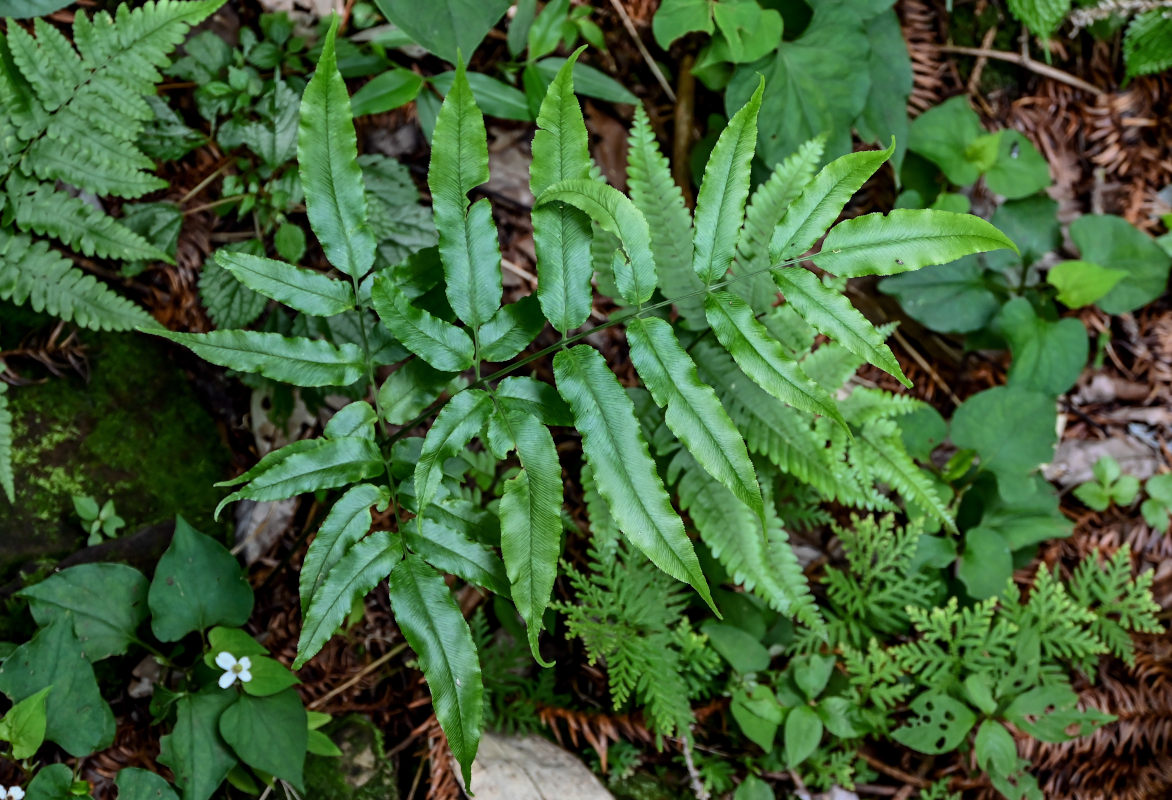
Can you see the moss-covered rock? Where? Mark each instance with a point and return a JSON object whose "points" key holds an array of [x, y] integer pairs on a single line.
{"points": [[135, 433], [362, 772]]}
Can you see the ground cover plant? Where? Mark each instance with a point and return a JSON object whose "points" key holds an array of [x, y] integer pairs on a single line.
{"points": [[638, 449]]}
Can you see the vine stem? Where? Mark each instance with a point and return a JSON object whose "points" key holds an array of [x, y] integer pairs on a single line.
{"points": [[566, 341]]}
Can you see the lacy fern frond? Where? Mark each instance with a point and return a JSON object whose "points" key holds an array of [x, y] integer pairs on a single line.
{"points": [[32, 273], [1119, 603], [72, 112]]}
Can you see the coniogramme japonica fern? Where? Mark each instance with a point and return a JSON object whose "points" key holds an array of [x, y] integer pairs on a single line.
{"points": [[727, 325], [70, 117]]}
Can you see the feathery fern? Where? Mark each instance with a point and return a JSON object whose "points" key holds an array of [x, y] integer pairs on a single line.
{"points": [[71, 112], [459, 325]]}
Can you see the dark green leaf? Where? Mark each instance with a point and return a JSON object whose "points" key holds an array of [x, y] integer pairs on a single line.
{"points": [[327, 157], [268, 734], [986, 564], [441, 344], [193, 749], [445, 27], [676, 18], [884, 117], [618, 455], [588, 81], [299, 361], [437, 632], [1020, 170], [744, 653], [393, 88], [134, 783], [105, 603], [762, 358], [456, 424], [366, 563], [758, 715], [1112, 242], [451, 551], [197, 584], [803, 734], [511, 329], [52, 782], [348, 521], [77, 718], [1012, 431], [1048, 357], [531, 526], [410, 389], [952, 298], [301, 289], [496, 99], [22, 9], [467, 236]]}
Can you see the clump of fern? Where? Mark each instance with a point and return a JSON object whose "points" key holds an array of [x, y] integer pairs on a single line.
{"points": [[71, 113]]}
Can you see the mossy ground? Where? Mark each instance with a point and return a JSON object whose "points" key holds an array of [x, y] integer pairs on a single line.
{"points": [[135, 433]]}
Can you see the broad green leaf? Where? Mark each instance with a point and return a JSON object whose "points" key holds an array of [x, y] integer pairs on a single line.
{"points": [[353, 419], [820, 203], [393, 88], [762, 358], [534, 397], [448, 28], [749, 31], [943, 135], [758, 714], [25, 723], [815, 84], [752, 787], [1115, 243], [197, 584], [627, 478], [531, 525], [676, 18], [432, 624], [743, 651], [299, 361], [1047, 713], [269, 734], [450, 550], [348, 521], [803, 734], [454, 426], [905, 239], [105, 603], [467, 236], [351, 578], [193, 749], [512, 328], [694, 413], [269, 677], [1048, 356], [589, 82], [327, 158], [134, 783], [561, 233], [410, 389], [23, 9], [720, 205], [1029, 520], [327, 464], [53, 782], [495, 98], [301, 289], [952, 298], [232, 640], [616, 214], [1080, 283], [981, 424], [655, 193], [1020, 170], [77, 718], [831, 313], [939, 726], [441, 344], [986, 564], [884, 117], [1032, 224]]}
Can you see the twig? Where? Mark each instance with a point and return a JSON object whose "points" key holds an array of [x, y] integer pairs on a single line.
{"points": [[924, 365], [362, 673], [630, 26], [199, 187], [697, 784], [979, 66], [1021, 60], [898, 774]]}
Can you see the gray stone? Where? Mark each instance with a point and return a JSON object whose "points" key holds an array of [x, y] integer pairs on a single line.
{"points": [[531, 768]]}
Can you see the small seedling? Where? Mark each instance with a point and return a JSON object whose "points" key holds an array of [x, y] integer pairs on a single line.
{"points": [[1109, 486], [1158, 506], [98, 521]]}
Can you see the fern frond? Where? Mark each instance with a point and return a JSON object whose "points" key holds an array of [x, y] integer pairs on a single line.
{"points": [[1042, 17], [656, 195], [879, 450], [48, 282], [6, 478], [41, 208], [1120, 603], [760, 559], [1061, 624]]}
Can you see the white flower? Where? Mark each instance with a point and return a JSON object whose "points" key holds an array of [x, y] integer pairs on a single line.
{"points": [[233, 669], [12, 793]]}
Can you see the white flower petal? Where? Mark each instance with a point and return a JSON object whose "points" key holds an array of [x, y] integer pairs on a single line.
{"points": [[227, 679], [4, 793], [245, 676], [15, 793], [245, 662], [225, 660]]}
